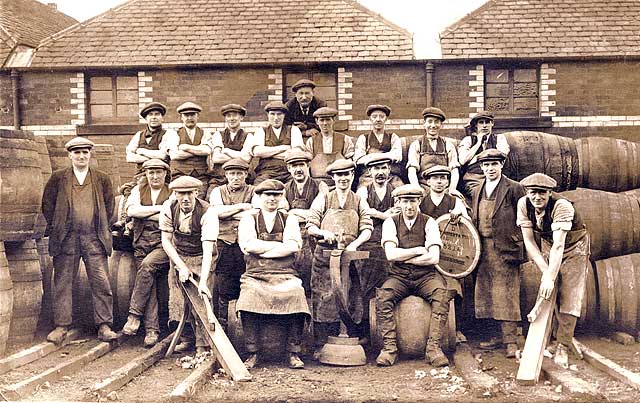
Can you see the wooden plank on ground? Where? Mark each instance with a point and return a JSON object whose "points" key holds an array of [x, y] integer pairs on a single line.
{"points": [[609, 367], [133, 368], [18, 391], [533, 352], [482, 384], [570, 381], [34, 353], [189, 386]]}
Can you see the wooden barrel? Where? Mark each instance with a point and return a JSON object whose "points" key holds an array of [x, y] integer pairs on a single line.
{"points": [[43, 153], [46, 266], [413, 319], [24, 268], [122, 278], [619, 292], [58, 155], [6, 300], [613, 221], [633, 193], [532, 152], [608, 164], [20, 187]]}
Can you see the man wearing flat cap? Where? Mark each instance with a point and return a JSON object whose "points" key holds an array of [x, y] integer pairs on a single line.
{"points": [[302, 107], [437, 200], [481, 138], [190, 147], [497, 290], [338, 220], [78, 204], [230, 201], [412, 243], [377, 141], [230, 143], [148, 143], [270, 144], [270, 288], [556, 240], [189, 235], [144, 205], [432, 149], [328, 146]]}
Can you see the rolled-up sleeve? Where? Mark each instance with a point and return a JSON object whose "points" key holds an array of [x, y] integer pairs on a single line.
{"points": [[246, 231], [316, 211], [452, 154], [166, 219], [562, 215], [210, 226], [363, 211], [522, 219], [432, 234], [413, 155], [170, 141], [133, 143], [296, 138], [348, 149], [292, 231], [257, 140], [396, 148], [389, 232], [133, 199], [501, 144]]}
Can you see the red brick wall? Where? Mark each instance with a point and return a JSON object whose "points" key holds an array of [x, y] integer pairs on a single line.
{"points": [[451, 89], [211, 89], [6, 100], [46, 98]]}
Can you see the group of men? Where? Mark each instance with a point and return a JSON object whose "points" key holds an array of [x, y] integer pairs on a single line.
{"points": [[259, 210]]}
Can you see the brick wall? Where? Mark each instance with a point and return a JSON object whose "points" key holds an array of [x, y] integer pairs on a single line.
{"points": [[6, 100], [46, 98], [451, 89]]}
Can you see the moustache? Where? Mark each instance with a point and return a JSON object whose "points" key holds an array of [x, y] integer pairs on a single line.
{"points": [[381, 176]]}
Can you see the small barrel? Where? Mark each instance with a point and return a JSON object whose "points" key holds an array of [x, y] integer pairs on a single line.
{"points": [[26, 276], [21, 185], [618, 287], [532, 152], [6, 300], [122, 278], [413, 319], [46, 266], [613, 221], [608, 164]]}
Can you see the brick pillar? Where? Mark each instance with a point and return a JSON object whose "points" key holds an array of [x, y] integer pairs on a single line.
{"points": [[145, 90], [547, 90], [275, 88], [345, 85], [476, 89], [78, 96]]}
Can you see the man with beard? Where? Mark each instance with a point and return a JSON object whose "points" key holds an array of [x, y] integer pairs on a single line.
{"points": [[378, 141], [189, 235], [481, 138], [270, 144], [270, 288], [144, 205], [338, 220], [190, 147], [302, 107], [232, 142], [148, 143], [497, 292], [230, 201]]}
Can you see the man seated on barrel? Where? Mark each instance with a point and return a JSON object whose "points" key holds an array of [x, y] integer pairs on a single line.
{"points": [[338, 220], [189, 235], [270, 288], [562, 255], [412, 243], [152, 263]]}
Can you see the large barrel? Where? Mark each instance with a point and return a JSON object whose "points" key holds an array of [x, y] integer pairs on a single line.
{"points": [[46, 266], [58, 155], [553, 155], [613, 221], [45, 165], [24, 268], [20, 187], [608, 164], [633, 193], [6, 300], [619, 292], [122, 277]]}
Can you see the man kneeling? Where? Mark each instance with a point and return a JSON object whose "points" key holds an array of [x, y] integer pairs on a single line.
{"points": [[270, 288], [411, 241]]}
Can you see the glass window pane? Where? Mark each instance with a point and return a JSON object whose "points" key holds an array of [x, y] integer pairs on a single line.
{"points": [[525, 75], [525, 105], [497, 76], [497, 90], [101, 97], [100, 83], [326, 93], [127, 97], [324, 79], [127, 82], [101, 111], [127, 111]]}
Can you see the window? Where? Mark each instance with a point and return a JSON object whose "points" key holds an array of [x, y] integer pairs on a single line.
{"points": [[113, 99], [512, 91], [326, 84]]}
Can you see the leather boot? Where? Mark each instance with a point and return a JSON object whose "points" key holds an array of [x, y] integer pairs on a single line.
{"points": [[433, 353]]}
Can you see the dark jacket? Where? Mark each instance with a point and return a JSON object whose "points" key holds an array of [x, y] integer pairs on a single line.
{"points": [[295, 113], [56, 207], [506, 234]]}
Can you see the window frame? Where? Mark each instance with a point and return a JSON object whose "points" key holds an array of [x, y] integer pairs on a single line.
{"points": [[115, 119], [511, 68], [309, 72]]}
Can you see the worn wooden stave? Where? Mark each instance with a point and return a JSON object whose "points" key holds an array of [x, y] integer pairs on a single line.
{"points": [[46, 266], [6, 300], [608, 164], [619, 293]]}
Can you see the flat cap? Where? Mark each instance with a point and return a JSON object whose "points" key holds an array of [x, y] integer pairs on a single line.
{"points": [[480, 115], [303, 83], [233, 108], [377, 159], [325, 112], [185, 184], [383, 108], [236, 163], [539, 181], [436, 170], [340, 165], [270, 186], [408, 191], [491, 154], [435, 112], [155, 163], [153, 106], [295, 155], [276, 106], [78, 142], [189, 107]]}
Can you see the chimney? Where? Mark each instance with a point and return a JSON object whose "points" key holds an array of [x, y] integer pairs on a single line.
{"points": [[53, 5]]}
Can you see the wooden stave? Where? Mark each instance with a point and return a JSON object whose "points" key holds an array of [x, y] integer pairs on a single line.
{"points": [[6, 300], [608, 164]]}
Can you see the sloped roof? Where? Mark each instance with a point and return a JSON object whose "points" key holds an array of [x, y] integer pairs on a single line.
{"points": [[192, 32], [545, 28], [27, 22]]}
